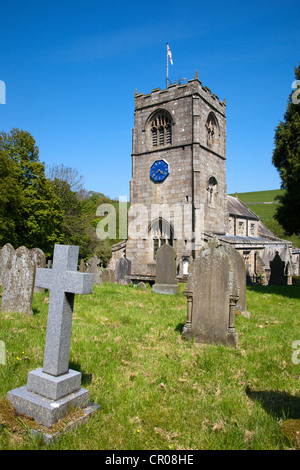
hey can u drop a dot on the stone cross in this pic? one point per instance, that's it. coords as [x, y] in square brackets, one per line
[51, 390]
[64, 282]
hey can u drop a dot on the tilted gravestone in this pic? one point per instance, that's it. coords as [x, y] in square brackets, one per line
[165, 280]
[94, 268]
[18, 282]
[212, 294]
[51, 390]
[122, 271]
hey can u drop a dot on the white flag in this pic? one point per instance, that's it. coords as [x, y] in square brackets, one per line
[169, 54]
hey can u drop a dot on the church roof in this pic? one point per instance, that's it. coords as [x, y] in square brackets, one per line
[236, 208]
[265, 232]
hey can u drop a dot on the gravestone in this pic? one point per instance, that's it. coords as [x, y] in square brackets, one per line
[123, 271]
[82, 267]
[212, 294]
[49, 263]
[240, 271]
[277, 274]
[52, 389]
[108, 275]
[40, 262]
[94, 268]
[142, 285]
[18, 282]
[6, 253]
[165, 280]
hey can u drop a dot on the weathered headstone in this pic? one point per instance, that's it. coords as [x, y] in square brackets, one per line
[94, 268]
[141, 285]
[122, 272]
[40, 262]
[82, 267]
[165, 280]
[108, 275]
[6, 253]
[212, 294]
[51, 390]
[18, 282]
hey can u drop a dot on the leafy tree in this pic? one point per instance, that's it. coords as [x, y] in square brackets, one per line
[286, 158]
[35, 216]
[10, 199]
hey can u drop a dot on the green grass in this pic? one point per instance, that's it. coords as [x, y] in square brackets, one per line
[260, 196]
[265, 212]
[156, 390]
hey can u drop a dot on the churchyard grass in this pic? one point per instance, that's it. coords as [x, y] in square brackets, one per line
[157, 390]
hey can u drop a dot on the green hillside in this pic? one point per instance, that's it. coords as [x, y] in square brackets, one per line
[264, 204]
[259, 196]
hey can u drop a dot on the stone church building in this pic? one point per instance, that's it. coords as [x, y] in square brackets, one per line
[178, 192]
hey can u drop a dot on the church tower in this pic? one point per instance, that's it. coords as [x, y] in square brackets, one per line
[178, 187]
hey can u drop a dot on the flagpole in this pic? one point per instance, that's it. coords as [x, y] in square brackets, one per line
[167, 67]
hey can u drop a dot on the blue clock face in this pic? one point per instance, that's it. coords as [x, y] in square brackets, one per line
[159, 171]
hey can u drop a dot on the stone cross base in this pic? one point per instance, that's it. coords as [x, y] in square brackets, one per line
[47, 398]
[170, 289]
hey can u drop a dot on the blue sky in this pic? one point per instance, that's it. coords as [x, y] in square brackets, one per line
[71, 69]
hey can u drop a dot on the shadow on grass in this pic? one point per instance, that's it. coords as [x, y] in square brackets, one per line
[293, 292]
[279, 404]
[179, 327]
[86, 378]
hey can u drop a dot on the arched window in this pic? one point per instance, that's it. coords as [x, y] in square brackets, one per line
[161, 129]
[162, 233]
[212, 131]
[212, 190]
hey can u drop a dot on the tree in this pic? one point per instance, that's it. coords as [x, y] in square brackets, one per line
[10, 199]
[286, 158]
[34, 216]
[65, 174]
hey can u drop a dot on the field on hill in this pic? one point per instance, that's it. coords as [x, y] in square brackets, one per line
[263, 204]
[260, 196]
[156, 390]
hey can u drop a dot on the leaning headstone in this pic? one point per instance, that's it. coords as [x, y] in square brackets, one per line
[123, 271]
[40, 262]
[212, 294]
[6, 253]
[18, 282]
[51, 390]
[165, 280]
[94, 268]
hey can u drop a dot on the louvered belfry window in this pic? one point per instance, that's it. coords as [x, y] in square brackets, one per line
[161, 130]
